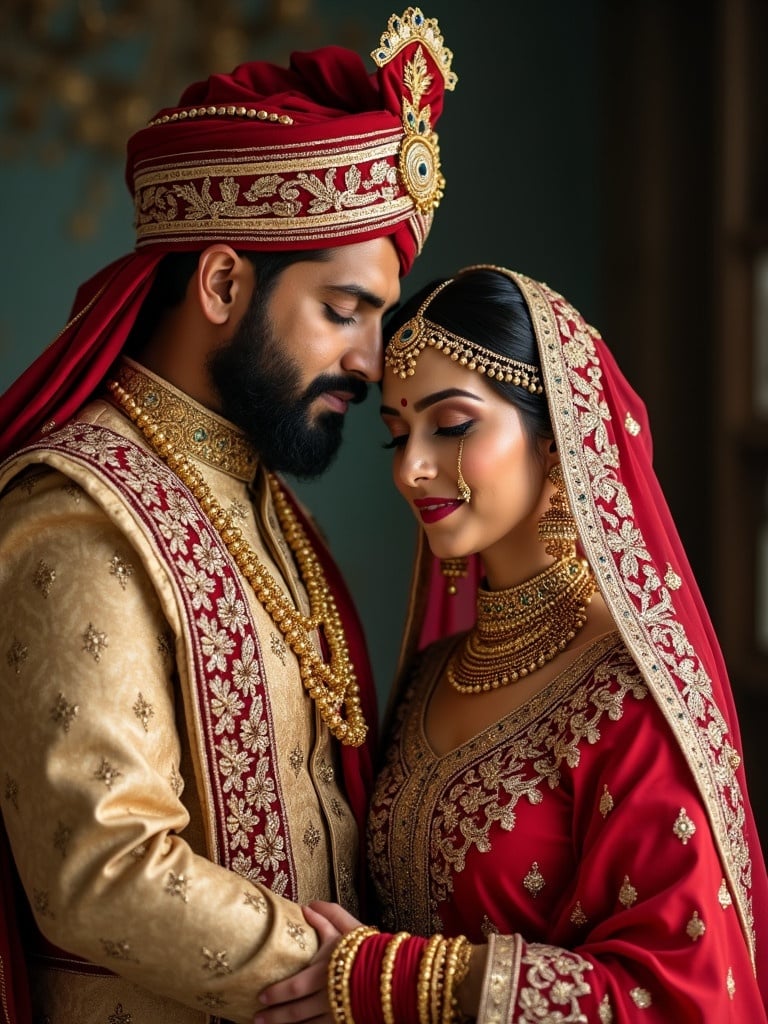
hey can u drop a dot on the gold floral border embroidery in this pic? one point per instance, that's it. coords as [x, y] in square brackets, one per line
[625, 569]
[555, 977]
[308, 192]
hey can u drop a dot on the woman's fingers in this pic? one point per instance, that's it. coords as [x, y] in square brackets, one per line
[307, 984]
[337, 915]
[303, 998]
[300, 1011]
[326, 930]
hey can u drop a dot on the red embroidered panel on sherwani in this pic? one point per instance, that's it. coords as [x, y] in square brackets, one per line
[231, 710]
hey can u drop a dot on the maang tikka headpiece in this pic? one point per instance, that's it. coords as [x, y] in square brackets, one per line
[418, 333]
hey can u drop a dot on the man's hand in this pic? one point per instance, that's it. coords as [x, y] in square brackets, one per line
[304, 997]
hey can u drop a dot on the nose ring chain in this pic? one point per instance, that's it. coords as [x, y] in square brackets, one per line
[465, 491]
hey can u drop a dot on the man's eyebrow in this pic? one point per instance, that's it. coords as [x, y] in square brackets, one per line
[433, 399]
[359, 292]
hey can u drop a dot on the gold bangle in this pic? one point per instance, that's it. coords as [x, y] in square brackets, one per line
[387, 973]
[456, 968]
[423, 984]
[436, 982]
[340, 970]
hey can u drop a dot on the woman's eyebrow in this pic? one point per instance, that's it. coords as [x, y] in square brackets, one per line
[433, 399]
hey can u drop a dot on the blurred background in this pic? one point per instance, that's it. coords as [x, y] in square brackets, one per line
[616, 150]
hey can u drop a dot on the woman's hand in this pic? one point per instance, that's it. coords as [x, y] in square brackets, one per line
[468, 991]
[304, 996]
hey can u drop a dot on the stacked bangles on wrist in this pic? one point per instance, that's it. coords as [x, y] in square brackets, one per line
[416, 979]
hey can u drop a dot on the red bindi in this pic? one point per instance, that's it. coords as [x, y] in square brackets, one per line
[403, 402]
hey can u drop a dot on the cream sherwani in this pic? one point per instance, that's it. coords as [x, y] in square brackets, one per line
[107, 794]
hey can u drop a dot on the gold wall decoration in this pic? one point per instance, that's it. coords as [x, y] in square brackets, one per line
[80, 76]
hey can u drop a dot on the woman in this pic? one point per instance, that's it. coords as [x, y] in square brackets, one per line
[563, 785]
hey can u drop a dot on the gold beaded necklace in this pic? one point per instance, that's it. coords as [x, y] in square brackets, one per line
[333, 686]
[520, 629]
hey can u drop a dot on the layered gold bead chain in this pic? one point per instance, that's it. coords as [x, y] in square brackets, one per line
[333, 686]
[520, 629]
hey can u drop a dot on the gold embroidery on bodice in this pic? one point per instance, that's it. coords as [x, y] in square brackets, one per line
[429, 813]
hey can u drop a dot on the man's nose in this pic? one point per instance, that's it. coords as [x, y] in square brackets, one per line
[365, 358]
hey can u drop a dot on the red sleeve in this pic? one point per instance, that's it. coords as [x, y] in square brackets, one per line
[647, 930]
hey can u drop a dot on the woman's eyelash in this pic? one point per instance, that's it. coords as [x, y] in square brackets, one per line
[455, 431]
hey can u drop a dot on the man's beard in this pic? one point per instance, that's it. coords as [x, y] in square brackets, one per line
[259, 388]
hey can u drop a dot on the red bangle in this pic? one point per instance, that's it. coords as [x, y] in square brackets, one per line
[405, 1007]
[364, 980]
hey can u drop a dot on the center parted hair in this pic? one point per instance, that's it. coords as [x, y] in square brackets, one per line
[482, 312]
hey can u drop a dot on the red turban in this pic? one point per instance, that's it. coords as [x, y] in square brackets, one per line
[319, 154]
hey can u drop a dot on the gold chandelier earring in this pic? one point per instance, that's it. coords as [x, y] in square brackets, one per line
[465, 491]
[557, 527]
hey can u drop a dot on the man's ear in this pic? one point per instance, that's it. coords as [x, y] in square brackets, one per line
[224, 282]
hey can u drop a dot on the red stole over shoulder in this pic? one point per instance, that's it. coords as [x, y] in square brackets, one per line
[221, 641]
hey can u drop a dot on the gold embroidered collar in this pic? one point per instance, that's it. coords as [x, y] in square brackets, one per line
[189, 426]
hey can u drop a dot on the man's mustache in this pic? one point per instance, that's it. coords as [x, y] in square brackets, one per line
[357, 388]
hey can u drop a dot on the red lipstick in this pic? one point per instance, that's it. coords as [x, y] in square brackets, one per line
[432, 510]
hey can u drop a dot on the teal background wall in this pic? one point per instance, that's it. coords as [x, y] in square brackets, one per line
[520, 153]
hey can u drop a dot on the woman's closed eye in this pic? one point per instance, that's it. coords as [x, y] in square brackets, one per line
[455, 430]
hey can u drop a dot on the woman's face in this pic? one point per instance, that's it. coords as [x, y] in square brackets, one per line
[427, 415]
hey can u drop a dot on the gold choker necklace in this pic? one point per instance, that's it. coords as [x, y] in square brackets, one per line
[519, 630]
[332, 686]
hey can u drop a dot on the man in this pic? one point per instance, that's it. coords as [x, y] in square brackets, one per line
[185, 710]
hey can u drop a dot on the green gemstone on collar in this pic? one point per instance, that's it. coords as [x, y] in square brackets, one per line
[200, 434]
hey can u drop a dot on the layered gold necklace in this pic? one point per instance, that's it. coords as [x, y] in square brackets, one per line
[333, 686]
[520, 629]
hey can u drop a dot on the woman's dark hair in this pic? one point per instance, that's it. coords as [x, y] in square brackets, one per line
[487, 307]
[173, 276]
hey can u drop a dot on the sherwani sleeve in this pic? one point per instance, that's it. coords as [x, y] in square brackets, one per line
[93, 772]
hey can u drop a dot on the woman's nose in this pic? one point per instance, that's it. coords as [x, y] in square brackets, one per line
[416, 465]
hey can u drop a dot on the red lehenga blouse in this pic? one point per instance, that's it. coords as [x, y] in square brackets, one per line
[603, 828]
